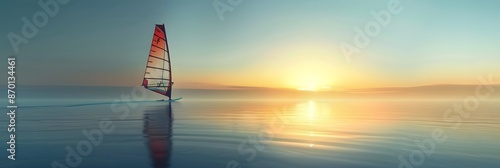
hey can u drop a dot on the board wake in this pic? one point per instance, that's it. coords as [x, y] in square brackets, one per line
[93, 104]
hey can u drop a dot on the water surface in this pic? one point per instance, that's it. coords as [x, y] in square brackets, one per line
[202, 132]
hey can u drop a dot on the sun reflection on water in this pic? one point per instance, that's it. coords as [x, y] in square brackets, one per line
[308, 121]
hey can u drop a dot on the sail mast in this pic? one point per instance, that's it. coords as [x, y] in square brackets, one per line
[170, 83]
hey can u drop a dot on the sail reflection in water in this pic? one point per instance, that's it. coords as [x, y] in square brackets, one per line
[158, 133]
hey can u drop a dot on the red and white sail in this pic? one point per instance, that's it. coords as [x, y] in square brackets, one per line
[158, 74]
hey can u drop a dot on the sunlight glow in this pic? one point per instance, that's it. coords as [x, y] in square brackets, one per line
[312, 110]
[308, 65]
[312, 83]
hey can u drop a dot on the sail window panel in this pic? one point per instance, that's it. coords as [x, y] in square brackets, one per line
[157, 83]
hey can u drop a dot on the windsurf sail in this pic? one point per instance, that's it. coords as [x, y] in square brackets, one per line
[158, 73]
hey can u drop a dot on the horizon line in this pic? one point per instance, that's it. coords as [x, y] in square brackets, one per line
[233, 87]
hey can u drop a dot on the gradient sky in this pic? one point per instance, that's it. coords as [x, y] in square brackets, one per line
[264, 43]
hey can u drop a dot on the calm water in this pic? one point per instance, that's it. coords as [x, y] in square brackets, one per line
[202, 132]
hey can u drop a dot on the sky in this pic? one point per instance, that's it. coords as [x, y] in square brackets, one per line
[259, 43]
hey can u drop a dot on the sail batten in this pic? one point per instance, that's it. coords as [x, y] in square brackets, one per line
[159, 47]
[158, 74]
[158, 68]
[152, 56]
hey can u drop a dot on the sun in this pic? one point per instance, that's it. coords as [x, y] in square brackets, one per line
[314, 87]
[308, 75]
[310, 86]
[304, 65]
[316, 81]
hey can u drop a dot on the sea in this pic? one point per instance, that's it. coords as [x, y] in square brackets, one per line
[130, 127]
